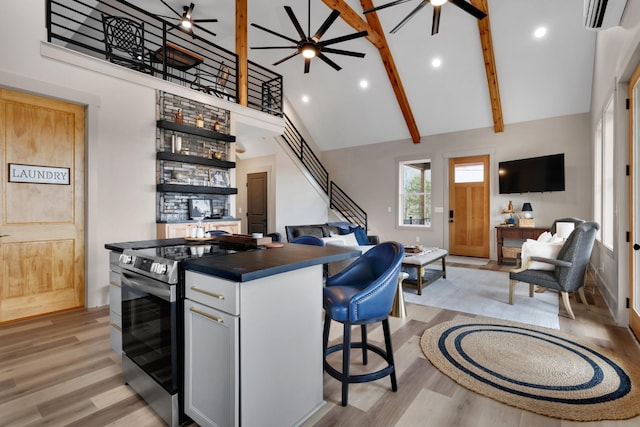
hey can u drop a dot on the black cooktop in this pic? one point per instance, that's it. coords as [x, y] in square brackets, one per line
[193, 251]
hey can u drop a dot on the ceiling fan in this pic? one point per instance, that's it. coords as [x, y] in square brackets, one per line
[186, 21]
[437, 4]
[311, 46]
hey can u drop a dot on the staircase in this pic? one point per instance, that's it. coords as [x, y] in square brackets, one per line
[339, 201]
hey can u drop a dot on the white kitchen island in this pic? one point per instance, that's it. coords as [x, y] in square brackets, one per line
[253, 339]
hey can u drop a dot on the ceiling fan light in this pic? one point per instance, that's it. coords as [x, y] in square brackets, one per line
[438, 2]
[185, 23]
[309, 52]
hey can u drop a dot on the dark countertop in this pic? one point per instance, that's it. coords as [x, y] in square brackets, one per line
[144, 244]
[246, 266]
[222, 219]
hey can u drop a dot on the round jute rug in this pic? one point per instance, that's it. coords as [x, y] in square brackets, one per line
[535, 369]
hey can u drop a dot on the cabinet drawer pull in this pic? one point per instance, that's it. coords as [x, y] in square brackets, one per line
[218, 296]
[116, 327]
[208, 316]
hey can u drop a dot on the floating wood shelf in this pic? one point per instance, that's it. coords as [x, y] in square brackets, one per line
[182, 158]
[206, 133]
[180, 188]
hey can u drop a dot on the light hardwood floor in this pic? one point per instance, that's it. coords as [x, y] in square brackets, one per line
[58, 370]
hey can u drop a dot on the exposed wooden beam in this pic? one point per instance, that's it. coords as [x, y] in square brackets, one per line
[484, 26]
[242, 52]
[377, 38]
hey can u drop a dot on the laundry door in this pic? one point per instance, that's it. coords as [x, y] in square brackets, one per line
[41, 205]
[469, 206]
[634, 202]
[257, 202]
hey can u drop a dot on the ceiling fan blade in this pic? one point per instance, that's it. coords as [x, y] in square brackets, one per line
[205, 20]
[325, 25]
[188, 11]
[274, 47]
[274, 33]
[170, 8]
[343, 52]
[295, 22]
[408, 17]
[307, 65]
[384, 6]
[469, 8]
[343, 38]
[286, 58]
[435, 23]
[330, 62]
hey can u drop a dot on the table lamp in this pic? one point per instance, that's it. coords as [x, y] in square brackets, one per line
[527, 209]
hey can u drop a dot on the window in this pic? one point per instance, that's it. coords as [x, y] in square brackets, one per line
[415, 193]
[603, 177]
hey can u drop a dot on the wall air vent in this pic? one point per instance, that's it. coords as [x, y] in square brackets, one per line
[602, 14]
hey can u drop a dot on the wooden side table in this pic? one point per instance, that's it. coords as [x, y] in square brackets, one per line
[517, 233]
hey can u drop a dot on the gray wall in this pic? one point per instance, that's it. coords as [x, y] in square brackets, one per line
[368, 174]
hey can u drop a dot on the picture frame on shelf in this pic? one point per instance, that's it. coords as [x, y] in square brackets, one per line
[220, 178]
[199, 208]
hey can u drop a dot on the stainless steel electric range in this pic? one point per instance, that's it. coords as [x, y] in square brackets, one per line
[152, 323]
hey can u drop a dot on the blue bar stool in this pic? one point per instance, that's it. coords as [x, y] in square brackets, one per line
[362, 294]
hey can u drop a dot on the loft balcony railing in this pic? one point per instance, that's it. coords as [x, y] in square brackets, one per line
[165, 51]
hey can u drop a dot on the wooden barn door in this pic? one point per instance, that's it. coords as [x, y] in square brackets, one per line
[41, 205]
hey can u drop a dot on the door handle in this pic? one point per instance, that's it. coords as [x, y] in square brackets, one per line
[636, 246]
[5, 235]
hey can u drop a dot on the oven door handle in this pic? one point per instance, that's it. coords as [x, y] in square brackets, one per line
[140, 283]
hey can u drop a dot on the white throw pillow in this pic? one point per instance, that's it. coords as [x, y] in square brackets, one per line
[335, 240]
[349, 239]
[532, 248]
[544, 237]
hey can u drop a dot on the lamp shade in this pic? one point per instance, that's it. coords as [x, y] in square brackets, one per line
[526, 207]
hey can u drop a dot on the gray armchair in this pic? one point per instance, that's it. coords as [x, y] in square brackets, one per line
[570, 267]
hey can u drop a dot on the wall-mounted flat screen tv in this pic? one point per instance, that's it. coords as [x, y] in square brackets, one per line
[532, 175]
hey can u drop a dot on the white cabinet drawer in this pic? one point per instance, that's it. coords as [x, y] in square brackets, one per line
[213, 292]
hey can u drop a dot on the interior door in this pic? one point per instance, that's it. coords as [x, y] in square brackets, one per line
[634, 205]
[41, 205]
[469, 206]
[257, 202]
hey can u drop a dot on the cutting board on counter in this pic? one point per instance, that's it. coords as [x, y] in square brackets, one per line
[243, 239]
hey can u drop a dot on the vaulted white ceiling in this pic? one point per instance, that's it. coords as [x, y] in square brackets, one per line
[538, 78]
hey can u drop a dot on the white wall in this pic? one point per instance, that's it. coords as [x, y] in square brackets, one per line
[121, 116]
[368, 174]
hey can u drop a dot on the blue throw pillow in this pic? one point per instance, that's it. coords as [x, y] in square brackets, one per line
[361, 235]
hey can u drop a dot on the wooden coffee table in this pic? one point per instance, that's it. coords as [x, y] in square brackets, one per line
[419, 260]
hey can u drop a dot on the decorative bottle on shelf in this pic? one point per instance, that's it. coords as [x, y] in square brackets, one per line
[177, 117]
[216, 126]
[199, 121]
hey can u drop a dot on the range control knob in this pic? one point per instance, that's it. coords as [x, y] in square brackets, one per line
[158, 268]
[126, 259]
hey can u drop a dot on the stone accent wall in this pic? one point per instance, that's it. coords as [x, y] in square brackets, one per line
[174, 207]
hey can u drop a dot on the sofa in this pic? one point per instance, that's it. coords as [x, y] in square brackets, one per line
[328, 230]
[339, 234]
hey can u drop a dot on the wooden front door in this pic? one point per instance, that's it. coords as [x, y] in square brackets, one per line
[469, 206]
[42, 221]
[257, 202]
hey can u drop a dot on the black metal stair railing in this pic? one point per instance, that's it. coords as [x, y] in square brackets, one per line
[303, 152]
[338, 199]
[349, 209]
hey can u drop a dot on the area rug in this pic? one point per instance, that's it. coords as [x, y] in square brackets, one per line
[535, 369]
[486, 293]
[467, 260]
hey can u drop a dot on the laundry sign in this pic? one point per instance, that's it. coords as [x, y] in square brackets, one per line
[39, 174]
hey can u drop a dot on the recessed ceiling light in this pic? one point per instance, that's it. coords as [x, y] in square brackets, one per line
[364, 84]
[540, 32]
[436, 63]
[305, 98]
